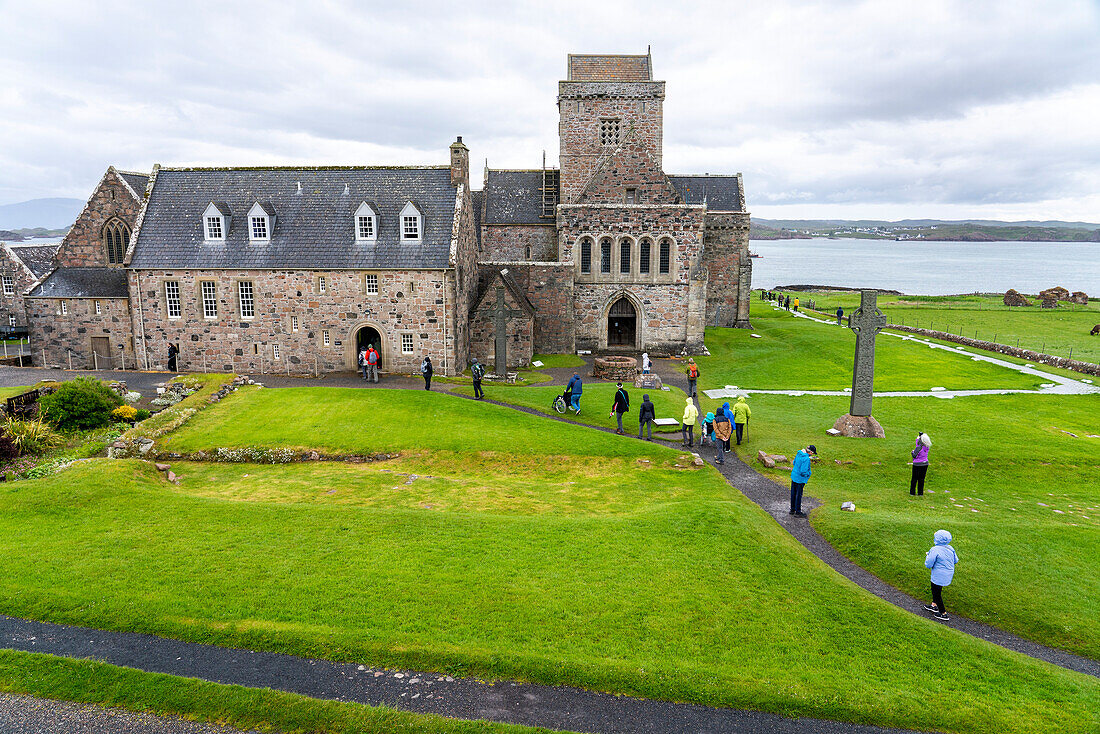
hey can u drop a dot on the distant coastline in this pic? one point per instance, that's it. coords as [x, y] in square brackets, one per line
[926, 231]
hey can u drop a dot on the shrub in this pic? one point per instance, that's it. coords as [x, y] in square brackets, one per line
[124, 413]
[31, 436]
[141, 415]
[132, 397]
[80, 404]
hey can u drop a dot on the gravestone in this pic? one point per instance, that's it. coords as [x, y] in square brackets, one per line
[867, 321]
[501, 313]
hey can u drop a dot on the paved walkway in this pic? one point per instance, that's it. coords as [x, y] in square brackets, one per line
[30, 715]
[143, 382]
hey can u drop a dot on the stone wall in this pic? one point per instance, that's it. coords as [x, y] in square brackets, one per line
[669, 319]
[726, 257]
[59, 337]
[462, 282]
[408, 302]
[1050, 360]
[520, 332]
[549, 288]
[633, 167]
[83, 246]
[23, 279]
[510, 242]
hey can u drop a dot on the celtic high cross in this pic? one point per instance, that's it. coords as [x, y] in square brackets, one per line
[866, 322]
[501, 313]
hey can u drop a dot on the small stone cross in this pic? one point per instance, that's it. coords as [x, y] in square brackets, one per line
[866, 322]
[501, 313]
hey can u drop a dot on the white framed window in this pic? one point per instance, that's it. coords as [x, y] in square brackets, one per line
[209, 291]
[64, 307]
[246, 299]
[214, 228]
[11, 321]
[324, 337]
[261, 220]
[366, 223]
[370, 283]
[9, 285]
[172, 299]
[406, 343]
[294, 324]
[322, 284]
[215, 221]
[411, 222]
[275, 351]
[259, 228]
[98, 309]
[610, 128]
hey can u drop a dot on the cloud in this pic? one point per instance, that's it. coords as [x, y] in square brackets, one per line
[981, 106]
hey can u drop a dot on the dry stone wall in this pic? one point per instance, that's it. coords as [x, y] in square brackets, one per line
[1048, 359]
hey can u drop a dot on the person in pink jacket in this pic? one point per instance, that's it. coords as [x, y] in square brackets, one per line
[920, 463]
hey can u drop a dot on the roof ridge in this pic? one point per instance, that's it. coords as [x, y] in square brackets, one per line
[133, 173]
[304, 168]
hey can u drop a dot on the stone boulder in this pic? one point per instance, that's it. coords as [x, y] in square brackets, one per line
[766, 460]
[1014, 298]
[859, 426]
[1080, 298]
[1057, 293]
[647, 382]
[1050, 303]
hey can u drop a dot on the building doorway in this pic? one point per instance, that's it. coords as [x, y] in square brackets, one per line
[101, 354]
[622, 324]
[368, 336]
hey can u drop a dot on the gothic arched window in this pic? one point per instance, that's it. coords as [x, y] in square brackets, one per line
[116, 237]
[586, 255]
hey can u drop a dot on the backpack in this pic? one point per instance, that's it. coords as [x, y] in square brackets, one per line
[478, 371]
[372, 357]
[693, 371]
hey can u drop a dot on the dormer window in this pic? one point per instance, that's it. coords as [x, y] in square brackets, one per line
[412, 223]
[261, 220]
[366, 223]
[215, 221]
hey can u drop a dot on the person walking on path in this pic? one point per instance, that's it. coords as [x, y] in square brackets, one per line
[647, 365]
[646, 415]
[693, 377]
[741, 415]
[426, 370]
[173, 352]
[620, 406]
[728, 413]
[941, 559]
[477, 370]
[575, 392]
[722, 432]
[920, 463]
[839, 314]
[787, 303]
[706, 430]
[796, 304]
[373, 358]
[687, 428]
[363, 362]
[800, 474]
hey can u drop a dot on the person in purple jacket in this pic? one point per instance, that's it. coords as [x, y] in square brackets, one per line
[920, 463]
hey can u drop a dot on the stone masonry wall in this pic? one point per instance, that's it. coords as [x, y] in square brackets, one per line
[13, 305]
[549, 288]
[407, 302]
[1050, 360]
[631, 166]
[462, 281]
[726, 254]
[520, 332]
[83, 246]
[509, 242]
[70, 334]
[664, 312]
[581, 106]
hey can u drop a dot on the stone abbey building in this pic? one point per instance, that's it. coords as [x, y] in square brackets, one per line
[293, 269]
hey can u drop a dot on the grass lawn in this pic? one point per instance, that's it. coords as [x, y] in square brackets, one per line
[794, 353]
[550, 361]
[1053, 331]
[88, 681]
[595, 403]
[646, 577]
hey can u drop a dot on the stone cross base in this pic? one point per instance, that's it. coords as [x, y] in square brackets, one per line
[648, 382]
[858, 426]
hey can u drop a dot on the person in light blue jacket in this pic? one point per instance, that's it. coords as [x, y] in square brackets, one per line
[941, 559]
[800, 474]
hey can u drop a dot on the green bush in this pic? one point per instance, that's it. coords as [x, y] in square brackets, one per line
[80, 404]
[141, 415]
[31, 436]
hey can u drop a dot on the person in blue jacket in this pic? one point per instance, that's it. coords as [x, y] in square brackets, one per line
[800, 474]
[941, 559]
[728, 412]
[575, 392]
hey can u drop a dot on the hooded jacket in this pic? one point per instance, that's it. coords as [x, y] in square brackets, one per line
[723, 429]
[941, 559]
[647, 412]
[727, 412]
[575, 385]
[741, 412]
[708, 423]
[920, 453]
[690, 413]
[801, 471]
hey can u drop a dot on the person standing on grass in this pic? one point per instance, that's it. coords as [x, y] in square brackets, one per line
[800, 474]
[839, 314]
[477, 370]
[722, 432]
[363, 362]
[620, 406]
[427, 370]
[693, 376]
[706, 430]
[687, 428]
[372, 362]
[741, 415]
[646, 415]
[575, 389]
[920, 463]
[941, 559]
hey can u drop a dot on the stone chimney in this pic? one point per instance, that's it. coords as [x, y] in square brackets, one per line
[460, 163]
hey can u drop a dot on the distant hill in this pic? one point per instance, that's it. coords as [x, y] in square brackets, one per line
[47, 213]
[975, 230]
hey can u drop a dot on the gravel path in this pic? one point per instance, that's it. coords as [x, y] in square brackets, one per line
[30, 715]
[143, 382]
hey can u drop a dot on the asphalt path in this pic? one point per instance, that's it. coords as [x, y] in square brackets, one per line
[30, 715]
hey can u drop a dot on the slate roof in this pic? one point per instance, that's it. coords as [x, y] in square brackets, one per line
[514, 197]
[609, 67]
[137, 181]
[37, 258]
[314, 229]
[721, 193]
[487, 281]
[83, 283]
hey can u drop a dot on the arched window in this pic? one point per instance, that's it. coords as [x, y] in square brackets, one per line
[624, 257]
[527, 253]
[666, 257]
[605, 255]
[586, 255]
[644, 249]
[116, 237]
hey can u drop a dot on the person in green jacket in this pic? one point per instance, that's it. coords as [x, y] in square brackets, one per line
[741, 415]
[687, 428]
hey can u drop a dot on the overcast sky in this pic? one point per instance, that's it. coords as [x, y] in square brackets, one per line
[830, 109]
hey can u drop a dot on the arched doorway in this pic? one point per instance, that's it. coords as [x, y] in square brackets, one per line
[622, 324]
[366, 336]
